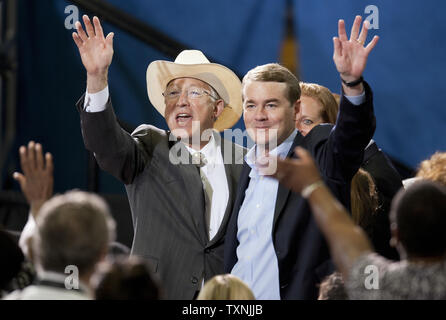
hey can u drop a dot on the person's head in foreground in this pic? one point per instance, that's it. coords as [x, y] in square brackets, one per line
[74, 229]
[418, 220]
[225, 287]
[126, 278]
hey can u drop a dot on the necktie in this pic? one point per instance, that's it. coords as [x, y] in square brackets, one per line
[199, 160]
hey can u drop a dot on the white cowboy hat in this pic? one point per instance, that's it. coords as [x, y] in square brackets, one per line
[194, 64]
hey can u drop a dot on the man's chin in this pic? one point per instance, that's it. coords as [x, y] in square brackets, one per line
[182, 133]
[262, 138]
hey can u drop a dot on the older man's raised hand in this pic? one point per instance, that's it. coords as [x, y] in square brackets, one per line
[96, 52]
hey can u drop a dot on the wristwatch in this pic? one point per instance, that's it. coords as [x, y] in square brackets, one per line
[353, 83]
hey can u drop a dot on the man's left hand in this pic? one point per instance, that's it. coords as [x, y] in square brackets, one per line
[350, 55]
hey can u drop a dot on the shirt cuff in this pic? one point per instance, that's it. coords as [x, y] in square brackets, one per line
[96, 102]
[356, 100]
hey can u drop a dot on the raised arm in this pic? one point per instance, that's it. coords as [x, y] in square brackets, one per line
[350, 55]
[36, 182]
[355, 124]
[115, 150]
[346, 240]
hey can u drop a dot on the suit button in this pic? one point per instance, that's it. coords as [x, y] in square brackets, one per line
[194, 280]
[207, 250]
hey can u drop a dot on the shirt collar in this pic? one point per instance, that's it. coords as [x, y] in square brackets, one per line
[281, 150]
[60, 278]
[209, 151]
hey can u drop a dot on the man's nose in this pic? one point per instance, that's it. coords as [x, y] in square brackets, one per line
[182, 99]
[261, 114]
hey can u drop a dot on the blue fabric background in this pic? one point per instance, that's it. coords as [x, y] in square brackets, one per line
[405, 69]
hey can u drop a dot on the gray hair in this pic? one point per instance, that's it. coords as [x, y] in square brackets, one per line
[74, 228]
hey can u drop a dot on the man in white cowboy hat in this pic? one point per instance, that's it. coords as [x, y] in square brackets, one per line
[179, 209]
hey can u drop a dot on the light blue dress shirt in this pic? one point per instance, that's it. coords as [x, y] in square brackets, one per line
[257, 262]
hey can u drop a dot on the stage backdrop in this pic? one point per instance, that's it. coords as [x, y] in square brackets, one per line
[405, 69]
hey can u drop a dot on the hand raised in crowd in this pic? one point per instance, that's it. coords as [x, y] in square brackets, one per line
[96, 52]
[350, 55]
[37, 179]
[296, 174]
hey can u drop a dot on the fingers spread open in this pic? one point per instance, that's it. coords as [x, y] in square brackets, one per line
[49, 163]
[341, 31]
[98, 27]
[31, 156]
[109, 39]
[337, 48]
[372, 44]
[80, 31]
[77, 40]
[39, 157]
[355, 28]
[88, 26]
[24, 160]
[363, 34]
[20, 178]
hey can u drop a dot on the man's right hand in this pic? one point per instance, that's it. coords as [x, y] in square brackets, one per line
[96, 52]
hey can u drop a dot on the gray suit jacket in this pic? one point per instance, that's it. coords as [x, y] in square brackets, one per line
[166, 199]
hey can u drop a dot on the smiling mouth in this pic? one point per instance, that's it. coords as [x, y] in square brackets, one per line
[183, 116]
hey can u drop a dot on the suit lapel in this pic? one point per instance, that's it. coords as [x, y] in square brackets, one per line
[282, 191]
[240, 192]
[192, 187]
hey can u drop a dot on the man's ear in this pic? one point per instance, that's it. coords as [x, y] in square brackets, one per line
[218, 108]
[296, 107]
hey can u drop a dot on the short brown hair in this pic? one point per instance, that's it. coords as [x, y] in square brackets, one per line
[126, 278]
[434, 169]
[74, 228]
[274, 72]
[325, 97]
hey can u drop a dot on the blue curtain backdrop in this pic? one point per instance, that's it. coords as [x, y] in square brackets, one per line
[404, 70]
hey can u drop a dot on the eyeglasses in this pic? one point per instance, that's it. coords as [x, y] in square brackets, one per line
[192, 93]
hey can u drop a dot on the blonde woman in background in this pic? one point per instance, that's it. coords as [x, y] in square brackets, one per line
[225, 287]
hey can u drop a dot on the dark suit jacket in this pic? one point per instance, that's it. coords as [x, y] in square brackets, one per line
[300, 248]
[388, 182]
[166, 199]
